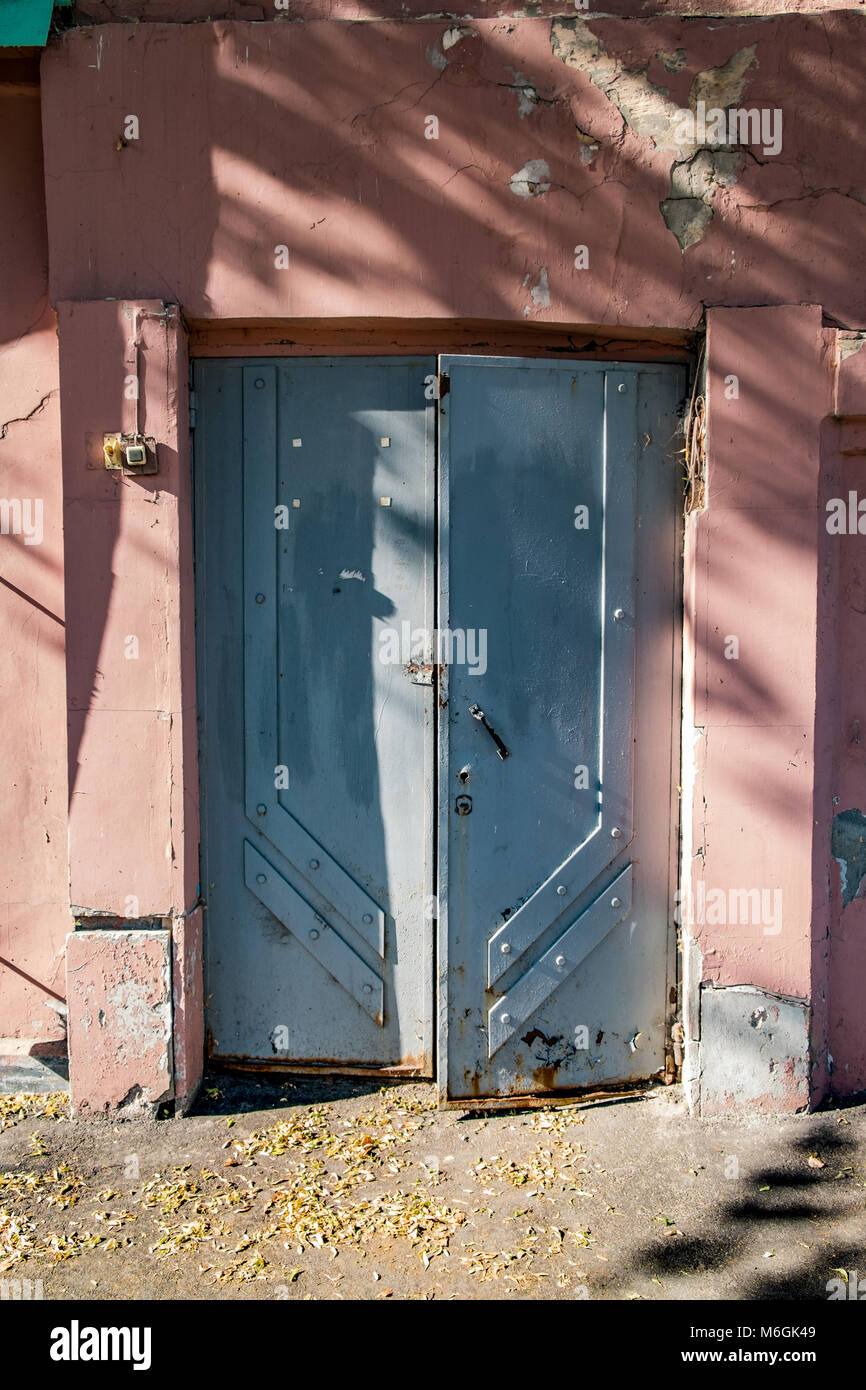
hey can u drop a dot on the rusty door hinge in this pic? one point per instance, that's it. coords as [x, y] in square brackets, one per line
[420, 672]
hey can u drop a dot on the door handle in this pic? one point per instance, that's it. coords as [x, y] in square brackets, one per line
[478, 713]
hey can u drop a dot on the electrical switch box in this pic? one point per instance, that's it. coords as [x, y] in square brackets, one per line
[130, 453]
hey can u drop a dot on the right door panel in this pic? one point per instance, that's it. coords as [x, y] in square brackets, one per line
[557, 491]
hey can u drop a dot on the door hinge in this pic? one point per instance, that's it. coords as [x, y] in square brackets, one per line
[420, 672]
[444, 384]
[193, 410]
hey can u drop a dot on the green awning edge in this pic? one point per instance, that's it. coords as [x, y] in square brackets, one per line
[25, 23]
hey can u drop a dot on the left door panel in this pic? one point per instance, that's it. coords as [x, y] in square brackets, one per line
[314, 565]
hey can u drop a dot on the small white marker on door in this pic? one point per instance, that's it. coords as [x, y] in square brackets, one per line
[385, 442]
[384, 501]
[296, 501]
[296, 443]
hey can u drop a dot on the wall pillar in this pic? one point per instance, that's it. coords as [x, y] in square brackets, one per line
[840, 802]
[749, 742]
[134, 959]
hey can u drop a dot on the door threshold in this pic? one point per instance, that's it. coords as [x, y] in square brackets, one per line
[263, 1066]
[556, 1099]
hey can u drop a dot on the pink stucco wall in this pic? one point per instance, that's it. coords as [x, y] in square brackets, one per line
[554, 131]
[752, 615]
[133, 806]
[756, 554]
[312, 136]
[128, 572]
[187, 11]
[34, 916]
[841, 764]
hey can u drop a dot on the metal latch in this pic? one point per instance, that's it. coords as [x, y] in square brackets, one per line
[478, 713]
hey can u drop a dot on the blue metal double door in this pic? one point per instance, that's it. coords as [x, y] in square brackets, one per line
[436, 664]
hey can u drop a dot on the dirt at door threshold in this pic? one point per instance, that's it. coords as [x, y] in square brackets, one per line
[311, 1189]
[514, 1104]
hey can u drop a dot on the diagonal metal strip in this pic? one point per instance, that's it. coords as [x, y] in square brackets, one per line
[328, 877]
[569, 951]
[614, 829]
[264, 810]
[524, 926]
[314, 933]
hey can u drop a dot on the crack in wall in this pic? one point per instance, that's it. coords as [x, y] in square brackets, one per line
[22, 419]
[647, 110]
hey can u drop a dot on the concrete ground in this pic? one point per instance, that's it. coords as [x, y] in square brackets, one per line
[306, 1189]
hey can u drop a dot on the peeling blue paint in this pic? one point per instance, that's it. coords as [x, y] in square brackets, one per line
[848, 846]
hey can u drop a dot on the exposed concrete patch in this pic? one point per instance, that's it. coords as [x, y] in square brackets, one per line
[435, 57]
[454, 35]
[648, 111]
[701, 175]
[540, 291]
[92, 919]
[688, 210]
[848, 847]
[589, 146]
[120, 1018]
[645, 108]
[723, 86]
[23, 1072]
[849, 343]
[850, 390]
[532, 180]
[673, 62]
[527, 94]
[754, 1050]
[692, 971]
[188, 1007]
[687, 218]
